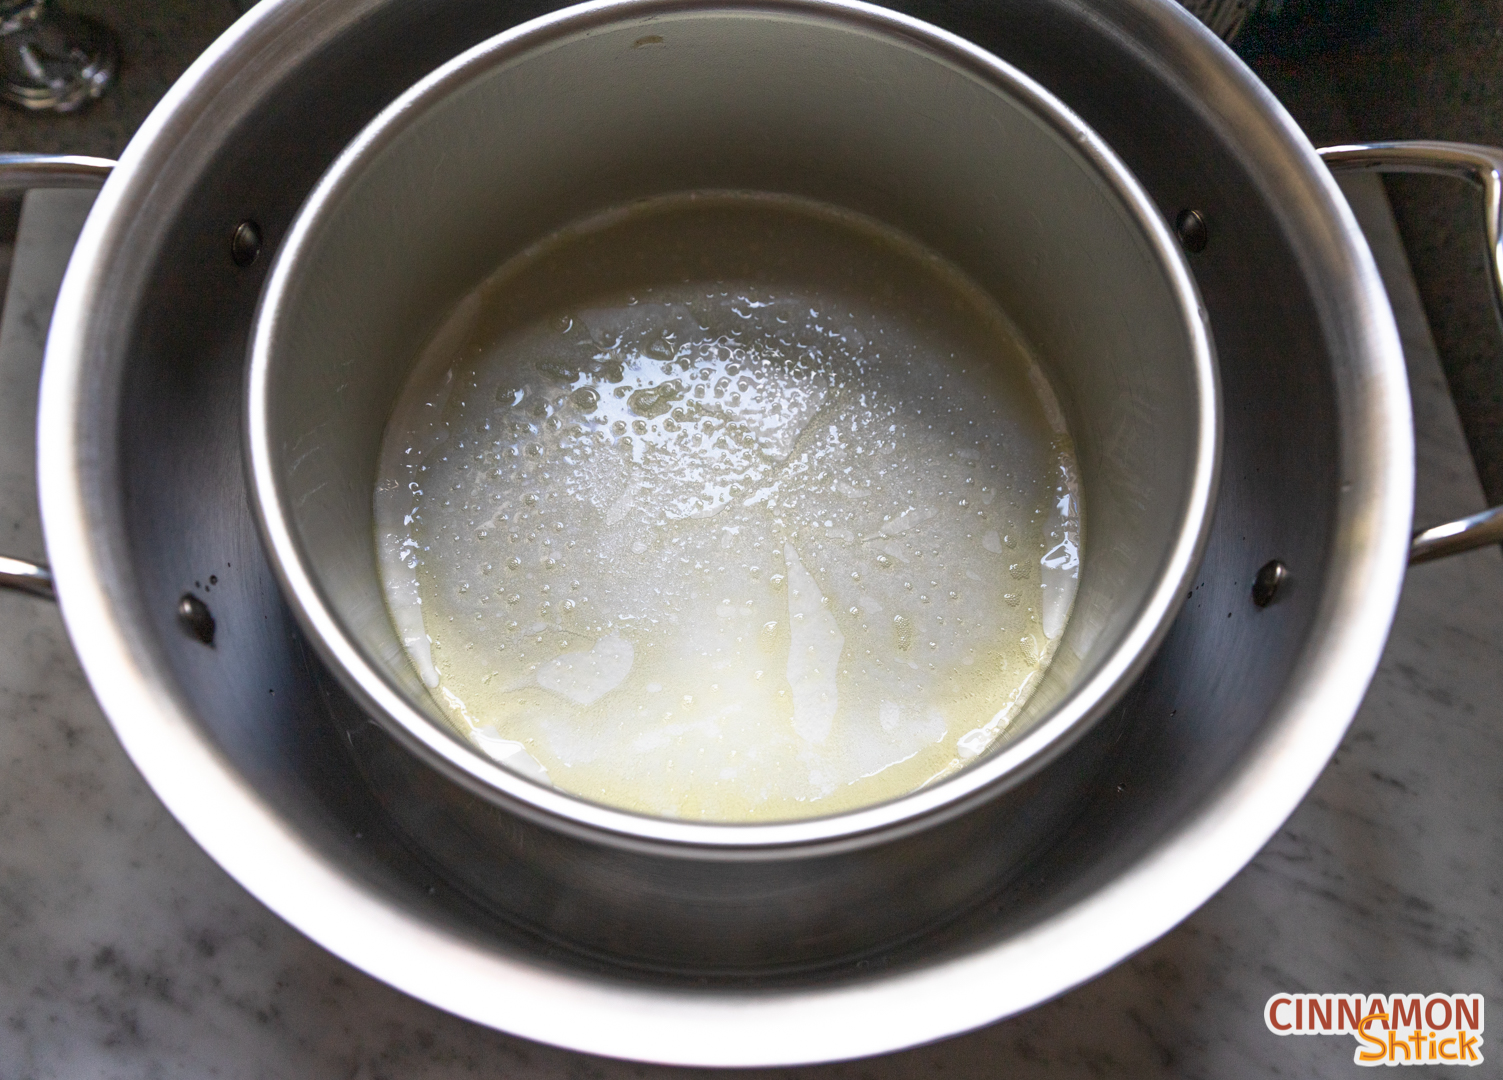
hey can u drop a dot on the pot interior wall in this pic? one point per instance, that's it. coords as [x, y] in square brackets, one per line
[736, 100]
[159, 424]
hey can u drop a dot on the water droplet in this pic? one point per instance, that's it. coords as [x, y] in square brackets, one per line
[651, 401]
[902, 632]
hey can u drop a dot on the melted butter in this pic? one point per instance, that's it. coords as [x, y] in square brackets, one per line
[728, 507]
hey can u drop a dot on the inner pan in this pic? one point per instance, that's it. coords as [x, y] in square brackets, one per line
[531, 132]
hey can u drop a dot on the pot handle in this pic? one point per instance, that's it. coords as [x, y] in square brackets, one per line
[44, 171]
[1483, 166]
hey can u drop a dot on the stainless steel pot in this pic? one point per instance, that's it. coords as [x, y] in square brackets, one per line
[848, 104]
[248, 739]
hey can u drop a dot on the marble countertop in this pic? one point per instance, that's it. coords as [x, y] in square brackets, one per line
[126, 952]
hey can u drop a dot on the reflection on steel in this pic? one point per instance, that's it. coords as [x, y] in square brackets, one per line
[245, 244]
[1193, 231]
[1454, 537]
[1266, 585]
[1235, 723]
[26, 577]
[53, 171]
[1224, 17]
[44, 171]
[1483, 166]
[194, 614]
[51, 60]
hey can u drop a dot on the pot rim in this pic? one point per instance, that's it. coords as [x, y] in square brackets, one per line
[260, 845]
[458, 760]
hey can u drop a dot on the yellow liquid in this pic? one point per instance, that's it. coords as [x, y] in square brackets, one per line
[728, 507]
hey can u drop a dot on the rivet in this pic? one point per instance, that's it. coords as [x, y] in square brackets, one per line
[193, 613]
[1266, 585]
[245, 244]
[1192, 229]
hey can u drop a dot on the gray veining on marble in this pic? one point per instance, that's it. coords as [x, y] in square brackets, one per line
[124, 952]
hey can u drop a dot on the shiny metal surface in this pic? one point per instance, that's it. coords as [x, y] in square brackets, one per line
[53, 170]
[245, 244]
[1454, 537]
[1269, 579]
[245, 742]
[29, 171]
[1483, 166]
[807, 97]
[26, 576]
[52, 60]
[1224, 18]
